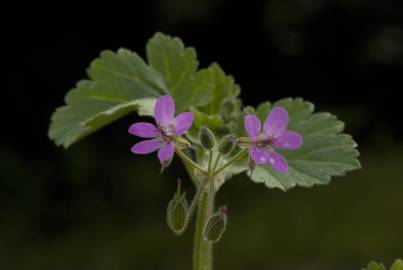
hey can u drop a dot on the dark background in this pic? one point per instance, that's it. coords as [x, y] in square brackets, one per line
[96, 206]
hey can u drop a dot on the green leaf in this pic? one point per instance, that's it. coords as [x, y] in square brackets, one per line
[179, 65]
[326, 152]
[397, 265]
[224, 89]
[224, 109]
[121, 83]
[202, 119]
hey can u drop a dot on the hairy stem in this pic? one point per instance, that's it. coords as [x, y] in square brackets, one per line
[210, 158]
[216, 161]
[203, 250]
[204, 201]
[196, 198]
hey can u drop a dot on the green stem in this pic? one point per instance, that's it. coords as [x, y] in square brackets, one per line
[216, 161]
[196, 199]
[210, 158]
[232, 160]
[203, 250]
[189, 160]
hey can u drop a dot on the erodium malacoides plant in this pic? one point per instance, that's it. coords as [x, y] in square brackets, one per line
[199, 117]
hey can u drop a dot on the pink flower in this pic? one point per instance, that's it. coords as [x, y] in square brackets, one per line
[163, 135]
[274, 135]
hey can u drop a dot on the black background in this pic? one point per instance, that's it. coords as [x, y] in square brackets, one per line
[328, 63]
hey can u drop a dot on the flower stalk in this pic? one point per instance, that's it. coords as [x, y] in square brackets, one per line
[190, 162]
[204, 200]
[202, 249]
[231, 161]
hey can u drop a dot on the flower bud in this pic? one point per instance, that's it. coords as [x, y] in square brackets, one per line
[216, 225]
[226, 144]
[177, 212]
[206, 138]
[249, 110]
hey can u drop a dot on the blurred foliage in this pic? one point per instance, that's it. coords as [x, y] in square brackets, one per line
[397, 265]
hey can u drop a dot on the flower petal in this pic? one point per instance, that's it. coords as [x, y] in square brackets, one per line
[164, 111]
[144, 130]
[259, 155]
[146, 147]
[278, 162]
[252, 126]
[276, 123]
[183, 122]
[166, 152]
[289, 140]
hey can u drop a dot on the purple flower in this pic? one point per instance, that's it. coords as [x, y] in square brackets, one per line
[163, 135]
[274, 135]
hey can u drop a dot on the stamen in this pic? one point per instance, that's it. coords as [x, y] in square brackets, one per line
[263, 142]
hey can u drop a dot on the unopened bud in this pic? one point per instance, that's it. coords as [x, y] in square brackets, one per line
[249, 110]
[216, 225]
[177, 212]
[206, 138]
[226, 144]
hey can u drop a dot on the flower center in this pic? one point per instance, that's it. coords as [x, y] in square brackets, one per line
[167, 133]
[262, 141]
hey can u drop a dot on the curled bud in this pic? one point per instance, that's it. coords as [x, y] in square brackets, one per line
[226, 144]
[206, 138]
[177, 212]
[216, 225]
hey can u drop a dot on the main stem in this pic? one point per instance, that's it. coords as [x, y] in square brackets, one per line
[203, 250]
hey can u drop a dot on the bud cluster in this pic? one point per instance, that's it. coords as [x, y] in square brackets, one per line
[179, 212]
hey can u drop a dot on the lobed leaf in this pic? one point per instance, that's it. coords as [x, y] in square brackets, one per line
[121, 82]
[179, 65]
[326, 152]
